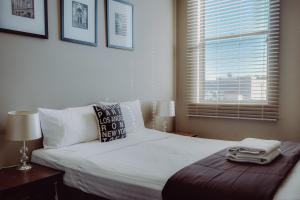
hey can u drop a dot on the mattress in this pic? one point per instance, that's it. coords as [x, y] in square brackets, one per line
[138, 166]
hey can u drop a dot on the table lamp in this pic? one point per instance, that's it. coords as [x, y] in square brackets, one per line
[23, 126]
[165, 109]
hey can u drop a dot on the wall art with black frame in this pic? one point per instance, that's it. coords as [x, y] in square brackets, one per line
[79, 21]
[24, 17]
[119, 22]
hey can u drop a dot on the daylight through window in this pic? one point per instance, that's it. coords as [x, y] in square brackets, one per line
[232, 58]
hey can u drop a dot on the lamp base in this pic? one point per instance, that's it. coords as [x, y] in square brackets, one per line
[165, 125]
[25, 167]
[24, 158]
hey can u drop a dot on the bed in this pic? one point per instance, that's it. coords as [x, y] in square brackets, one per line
[139, 166]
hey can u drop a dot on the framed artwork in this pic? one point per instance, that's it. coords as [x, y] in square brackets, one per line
[119, 22]
[24, 17]
[79, 21]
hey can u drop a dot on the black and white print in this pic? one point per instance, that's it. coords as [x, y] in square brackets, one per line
[23, 8]
[121, 24]
[79, 15]
[110, 122]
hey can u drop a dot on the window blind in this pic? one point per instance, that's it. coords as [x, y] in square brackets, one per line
[232, 58]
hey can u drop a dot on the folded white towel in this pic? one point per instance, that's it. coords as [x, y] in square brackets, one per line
[253, 146]
[265, 159]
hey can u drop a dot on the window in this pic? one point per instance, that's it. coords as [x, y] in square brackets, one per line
[232, 58]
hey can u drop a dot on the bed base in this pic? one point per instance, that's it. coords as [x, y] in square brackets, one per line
[70, 193]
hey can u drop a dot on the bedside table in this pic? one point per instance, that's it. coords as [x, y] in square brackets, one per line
[39, 183]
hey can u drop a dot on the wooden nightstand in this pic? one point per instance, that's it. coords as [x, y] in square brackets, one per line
[39, 183]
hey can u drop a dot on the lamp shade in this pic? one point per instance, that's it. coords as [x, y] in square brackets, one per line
[166, 108]
[23, 126]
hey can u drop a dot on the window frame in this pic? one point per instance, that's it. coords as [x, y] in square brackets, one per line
[195, 106]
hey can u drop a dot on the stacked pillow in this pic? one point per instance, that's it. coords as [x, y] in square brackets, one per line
[69, 126]
[132, 115]
[76, 125]
[111, 125]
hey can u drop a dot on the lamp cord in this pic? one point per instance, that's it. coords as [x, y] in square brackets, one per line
[6, 167]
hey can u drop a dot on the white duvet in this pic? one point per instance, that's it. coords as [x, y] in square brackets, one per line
[139, 166]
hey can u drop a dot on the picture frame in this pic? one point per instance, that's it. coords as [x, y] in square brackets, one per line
[79, 19]
[24, 17]
[119, 24]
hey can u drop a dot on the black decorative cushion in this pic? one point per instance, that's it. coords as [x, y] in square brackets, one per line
[110, 122]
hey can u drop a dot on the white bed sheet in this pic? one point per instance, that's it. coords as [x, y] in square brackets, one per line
[138, 166]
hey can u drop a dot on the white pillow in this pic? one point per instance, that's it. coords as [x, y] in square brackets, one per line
[132, 115]
[69, 126]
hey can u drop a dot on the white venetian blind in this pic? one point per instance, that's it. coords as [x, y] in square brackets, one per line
[232, 58]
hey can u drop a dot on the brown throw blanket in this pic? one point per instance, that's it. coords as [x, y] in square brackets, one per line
[215, 178]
